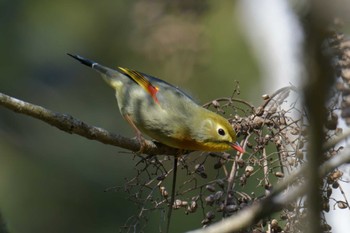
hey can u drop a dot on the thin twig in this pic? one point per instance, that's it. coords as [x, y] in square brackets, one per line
[275, 201]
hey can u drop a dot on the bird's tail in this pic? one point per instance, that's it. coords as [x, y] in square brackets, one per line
[110, 76]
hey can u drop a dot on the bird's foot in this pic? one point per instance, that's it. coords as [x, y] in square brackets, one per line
[142, 142]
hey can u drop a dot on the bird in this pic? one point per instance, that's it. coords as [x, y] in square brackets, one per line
[165, 113]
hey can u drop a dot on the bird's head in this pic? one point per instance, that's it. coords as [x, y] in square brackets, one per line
[215, 133]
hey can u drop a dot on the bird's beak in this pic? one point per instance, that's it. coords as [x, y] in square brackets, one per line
[236, 146]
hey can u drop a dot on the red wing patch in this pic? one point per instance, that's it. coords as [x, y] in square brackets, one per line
[142, 81]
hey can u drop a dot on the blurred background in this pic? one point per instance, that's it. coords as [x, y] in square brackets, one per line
[51, 181]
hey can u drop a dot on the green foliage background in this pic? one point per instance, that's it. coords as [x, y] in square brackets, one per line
[51, 181]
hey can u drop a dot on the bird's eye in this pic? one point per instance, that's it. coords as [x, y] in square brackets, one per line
[221, 132]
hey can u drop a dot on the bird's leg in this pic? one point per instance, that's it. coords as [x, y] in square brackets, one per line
[172, 198]
[139, 136]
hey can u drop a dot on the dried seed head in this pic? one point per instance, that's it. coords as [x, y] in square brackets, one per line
[161, 177]
[249, 145]
[279, 174]
[215, 103]
[240, 163]
[282, 121]
[329, 192]
[267, 137]
[295, 131]
[335, 185]
[284, 216]
[210, 215]
[342, 205]
[231, 208]
[265, 97]
[257, 122]
[338, 131]
[345, 73]
[274, 223]
[193, 205]
[242, 180]
[205, 221]
[326, 206]
[301, 144]
[336, 175]
[177, 204]
[248, 170]
[332, 122]
[210, 188]
[221, 183]
[184, 203]
[299, 154]
[218, 195]
[221, 207]
[326, 227]
[259, 111]
[199, 168]
[163, 192]
[209, 200]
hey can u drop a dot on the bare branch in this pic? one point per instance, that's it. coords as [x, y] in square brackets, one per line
[72, 125]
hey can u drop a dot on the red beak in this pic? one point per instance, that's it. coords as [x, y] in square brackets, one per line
[237, 147]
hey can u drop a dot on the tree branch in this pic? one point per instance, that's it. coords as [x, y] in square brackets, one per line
[72, 125]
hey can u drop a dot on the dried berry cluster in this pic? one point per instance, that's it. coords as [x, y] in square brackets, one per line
[275, 136]
[217, 185]
[341, 45]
